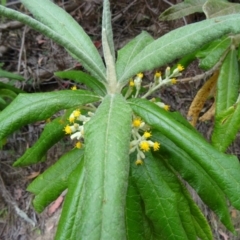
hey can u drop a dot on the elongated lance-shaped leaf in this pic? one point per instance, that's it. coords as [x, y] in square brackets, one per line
[82, 77]
[29, 108]
[180, 42]
[52, 133]
[216, 8]
[227, 93]
[130, 50]
[160, 200]
[6, 74]
[107, 25]
[49, 185]
[187, 209]
[71, 212]
[137, 224]
[95, 67]
[107, 137]
[196, 176]
[6, 93]
[10, 87]
[223, 168]
[182, 9]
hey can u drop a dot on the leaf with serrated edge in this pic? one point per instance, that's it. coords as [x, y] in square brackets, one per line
[182, 9]
[107, 137]
[223, 168]
[29, 108]
[71, 212]
[180, 42]
[52, 133]
[130, 50]
[80, 54]
[196, 176]
[49, 185]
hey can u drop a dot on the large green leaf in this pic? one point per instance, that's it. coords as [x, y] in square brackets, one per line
[216, 8]
[188, 211]
[180, 42]
[49, 185]
[62, 28]
[107, 137]
[82, 77]
[71, 212]
[28, 108]
[52, 133]
[227, 126]
[137, 226]
[161, 201]
[130, 50]
[223, 168]
[182, 9]
[196, 176]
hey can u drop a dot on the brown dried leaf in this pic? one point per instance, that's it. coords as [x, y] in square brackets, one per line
[33, 175]
[209, 114]
[53, 208]
[200, 99]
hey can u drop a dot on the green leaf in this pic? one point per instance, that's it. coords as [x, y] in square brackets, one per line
[71, 212]
[196, 176]
[179, 42]
[82, 77]
[226, 123]
[6, 93]
[216, 8]
[52, 133]
[188, 211]
[160, 200]
[182, 9]
[29, 108]
[60, 27]
[228, 83]
[136, 223]
[107, 25]
[213, 53]
[49, 185]
[223, 168]
[130, 50]
[6, 74]
[107, 138]
[8, 86]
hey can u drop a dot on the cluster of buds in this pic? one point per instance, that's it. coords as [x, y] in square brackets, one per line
[158, 81]
[141, 140]
[75, 128]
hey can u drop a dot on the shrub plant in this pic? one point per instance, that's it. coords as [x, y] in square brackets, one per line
[126, 174]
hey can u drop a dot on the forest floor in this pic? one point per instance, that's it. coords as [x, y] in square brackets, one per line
[36, 58]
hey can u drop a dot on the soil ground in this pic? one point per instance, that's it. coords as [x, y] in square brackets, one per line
[36, 58]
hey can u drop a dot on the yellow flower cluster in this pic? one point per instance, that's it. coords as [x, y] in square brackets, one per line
[141, 142]
[75, 128]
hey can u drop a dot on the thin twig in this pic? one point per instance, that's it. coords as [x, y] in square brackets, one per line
[21, 49]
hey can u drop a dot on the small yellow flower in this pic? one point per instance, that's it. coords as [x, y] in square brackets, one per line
[78, 145]
[157, 74]
[173, 81]
[76, 113]
[139, 162]
[67, 129]
[74, 87]
[48, 120]
[144, 145]
[147, 134]
[136, 122]
[140, 75]
[71, 119]
[180, 67]
[166, 107]
[131, 83]
[156, 146]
